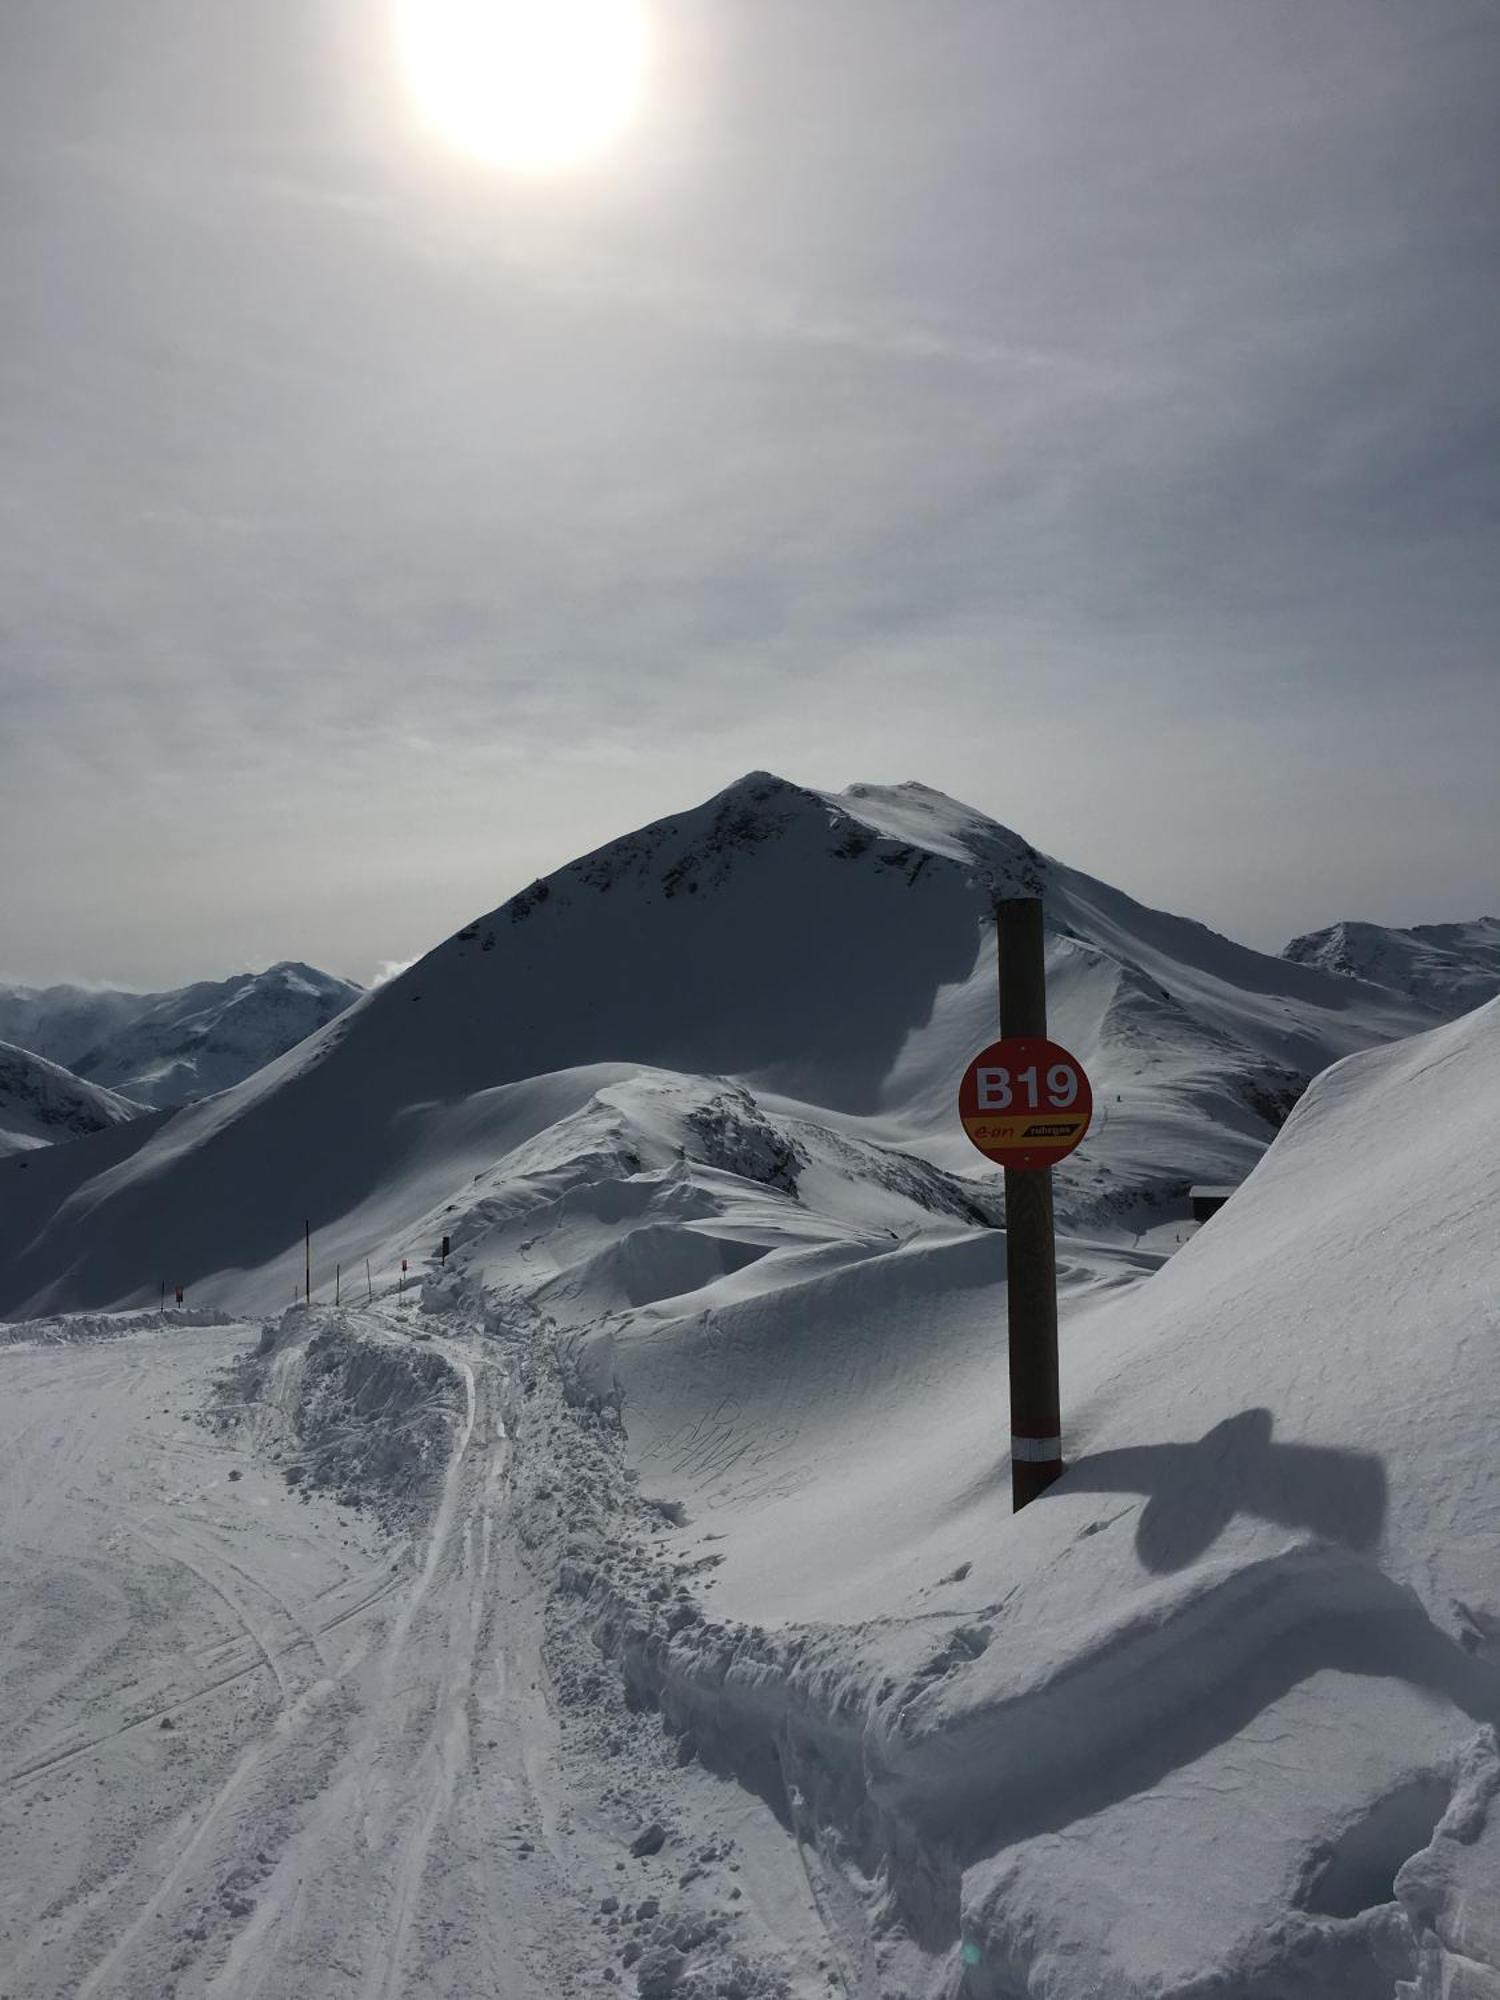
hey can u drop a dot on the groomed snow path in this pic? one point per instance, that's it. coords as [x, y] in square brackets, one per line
[253, 1743]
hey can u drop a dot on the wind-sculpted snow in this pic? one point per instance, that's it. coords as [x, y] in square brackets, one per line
[1182, 1726]
[1448, 1890]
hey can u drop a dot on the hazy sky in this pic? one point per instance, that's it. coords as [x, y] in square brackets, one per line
[1088, 407]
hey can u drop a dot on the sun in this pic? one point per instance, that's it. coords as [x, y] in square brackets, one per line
[534, 85]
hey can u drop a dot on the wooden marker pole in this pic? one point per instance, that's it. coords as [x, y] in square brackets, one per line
[1030, 1245]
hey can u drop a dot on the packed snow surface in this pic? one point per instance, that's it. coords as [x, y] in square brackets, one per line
[283, 1712]
[172, 1048]
[630, 1597]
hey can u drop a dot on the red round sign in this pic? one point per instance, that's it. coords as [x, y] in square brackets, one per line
[1025, 1102]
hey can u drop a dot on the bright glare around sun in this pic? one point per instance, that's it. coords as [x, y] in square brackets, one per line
[534, 85]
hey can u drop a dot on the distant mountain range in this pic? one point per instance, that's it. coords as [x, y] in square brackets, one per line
[1447, 968]
[811, 969]
[1156, 1000]
[163, 1049]
[42, 1104]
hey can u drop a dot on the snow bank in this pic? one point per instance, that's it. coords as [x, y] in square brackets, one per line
[1183, 1725]
[1450, 1892]
[66, 1329]
[354, 1407]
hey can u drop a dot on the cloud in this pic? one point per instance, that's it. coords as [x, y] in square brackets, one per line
[388, 969]
[1097, 424]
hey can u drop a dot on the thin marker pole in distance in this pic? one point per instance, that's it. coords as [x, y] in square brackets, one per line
[1036, 1458]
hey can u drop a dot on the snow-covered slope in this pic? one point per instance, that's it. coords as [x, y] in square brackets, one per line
[832, 953]
[1192, 1723]
[63, 1022]
[172, 1048]
[42, 1103]
[1447, 968]
[1216, 1717]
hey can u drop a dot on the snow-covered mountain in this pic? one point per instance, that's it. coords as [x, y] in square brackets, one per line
[63, 1022]
[831, 954]
[173, 1048]
[719, 1343]
[42, 1104]
[1447, 968]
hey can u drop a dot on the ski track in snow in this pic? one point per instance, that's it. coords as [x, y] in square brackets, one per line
[348, 1783]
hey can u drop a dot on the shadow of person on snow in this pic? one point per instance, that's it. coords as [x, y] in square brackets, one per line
[1195, 1490]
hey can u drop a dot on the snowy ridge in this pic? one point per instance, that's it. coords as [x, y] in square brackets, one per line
[166, 1049]
[1447, 968]
[42, 1103]
[830, 953]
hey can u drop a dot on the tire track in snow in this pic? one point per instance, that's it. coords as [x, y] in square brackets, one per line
[305, 1635]
[449, 1739]
[217, 1810]
[56, 1759]
[172, 1837]
[269, 1656]
[374, 1829]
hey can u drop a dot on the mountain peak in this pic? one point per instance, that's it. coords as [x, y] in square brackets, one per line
[172, 1047]
[918, 816]
[295, 971]
[1447, 968]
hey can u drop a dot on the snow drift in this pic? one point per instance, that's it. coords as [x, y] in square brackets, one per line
[1215, 1716]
